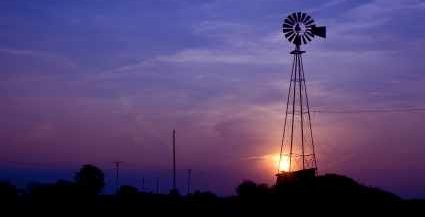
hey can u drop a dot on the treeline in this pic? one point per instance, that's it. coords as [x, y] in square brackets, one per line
[328, 194]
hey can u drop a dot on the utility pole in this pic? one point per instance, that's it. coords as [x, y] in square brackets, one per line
[189, 180]
[117, 173]
[157, 185]
[174, 160]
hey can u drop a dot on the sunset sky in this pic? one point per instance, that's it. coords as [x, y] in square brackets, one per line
[93, 81]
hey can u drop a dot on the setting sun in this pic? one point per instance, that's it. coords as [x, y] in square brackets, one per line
[282, 164]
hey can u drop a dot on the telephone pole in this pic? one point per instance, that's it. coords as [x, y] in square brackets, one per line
[157, 185]
[117, 173]
[174, 160]
[189, 180]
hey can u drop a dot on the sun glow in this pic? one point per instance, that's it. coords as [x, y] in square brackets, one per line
[282, 164]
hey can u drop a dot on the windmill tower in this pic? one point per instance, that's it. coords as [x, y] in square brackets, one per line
[297, 154]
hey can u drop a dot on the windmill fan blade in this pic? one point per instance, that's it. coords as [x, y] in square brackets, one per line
[309, 34]
[308, 38]
[284, 30]
[299, 16]
[287, 26]
[319, 31]
[288, 21]
[290, 18]
[294, 16]
[291, 37]
[308, 18]
[309, 22]
[303, 17]
[304, 41]
[287, 35]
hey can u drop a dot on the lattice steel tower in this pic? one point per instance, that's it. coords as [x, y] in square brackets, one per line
[297, 154]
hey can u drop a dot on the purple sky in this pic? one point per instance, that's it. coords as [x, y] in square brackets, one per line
[99, 81]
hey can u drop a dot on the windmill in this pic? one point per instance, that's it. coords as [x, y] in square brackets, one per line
[297, 154]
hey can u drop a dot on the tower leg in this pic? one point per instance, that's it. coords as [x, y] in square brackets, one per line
[296, 143]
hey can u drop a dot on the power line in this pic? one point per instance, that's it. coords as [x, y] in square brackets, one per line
[359, 111]
[57, 164]
[27, 164]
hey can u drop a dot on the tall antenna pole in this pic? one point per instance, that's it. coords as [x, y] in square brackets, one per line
[117, 175]
[189, 180]
[174, 160]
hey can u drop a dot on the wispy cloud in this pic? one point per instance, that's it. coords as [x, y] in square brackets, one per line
[17, 52]
[40, 55]
[260, 157]
[223, 56]
[326, 5]
[377, 9]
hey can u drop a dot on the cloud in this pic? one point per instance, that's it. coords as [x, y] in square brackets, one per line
[17, 52]
[381, 8]
[260, 157]
[216, 27]
[326, 5]
[240, 43]
[223, 56]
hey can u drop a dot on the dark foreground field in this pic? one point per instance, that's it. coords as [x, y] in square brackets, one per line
[327, 194]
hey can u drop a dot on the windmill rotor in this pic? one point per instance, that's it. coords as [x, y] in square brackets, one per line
[299, 28]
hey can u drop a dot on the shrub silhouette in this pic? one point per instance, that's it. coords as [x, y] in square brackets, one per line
[127, 190]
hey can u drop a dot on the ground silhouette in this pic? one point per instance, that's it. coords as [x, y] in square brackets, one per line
[327, 194]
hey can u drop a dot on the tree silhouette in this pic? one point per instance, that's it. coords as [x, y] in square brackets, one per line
[249, 189]
[246, 189]
[90, 180]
